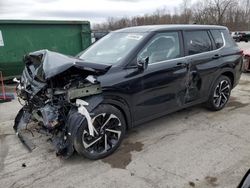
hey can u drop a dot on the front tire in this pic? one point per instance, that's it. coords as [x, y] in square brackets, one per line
[110, 127]
[220, 94]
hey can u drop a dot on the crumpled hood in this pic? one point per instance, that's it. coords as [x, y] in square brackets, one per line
[48, 64]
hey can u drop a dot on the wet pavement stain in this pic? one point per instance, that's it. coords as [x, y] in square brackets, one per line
[192, 184]
[122, 157]
[4, 149]
[246, 90]
[236, 104]
[211, 181]
[244, 82]
[232, 98]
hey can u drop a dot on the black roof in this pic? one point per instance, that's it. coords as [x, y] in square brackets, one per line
[150, 28]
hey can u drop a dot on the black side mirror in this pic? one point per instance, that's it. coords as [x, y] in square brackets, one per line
[142, 63]
[245, 182]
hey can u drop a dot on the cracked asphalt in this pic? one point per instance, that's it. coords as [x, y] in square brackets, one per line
[190, 148]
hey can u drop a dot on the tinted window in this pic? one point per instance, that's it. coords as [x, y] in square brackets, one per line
[198, 42]
[217, 35]
[163, 46]
[228, 39]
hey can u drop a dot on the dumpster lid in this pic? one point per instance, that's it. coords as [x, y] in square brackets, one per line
[44, 22]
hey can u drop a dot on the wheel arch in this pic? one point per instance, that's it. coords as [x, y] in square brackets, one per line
[121, 105]
[230, 75]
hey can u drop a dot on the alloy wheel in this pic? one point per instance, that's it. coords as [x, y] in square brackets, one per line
[107, 133]
[221, 93]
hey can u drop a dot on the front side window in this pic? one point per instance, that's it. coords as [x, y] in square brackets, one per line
[217, 35]
[163, 46]
[112, 48]
[198, 42]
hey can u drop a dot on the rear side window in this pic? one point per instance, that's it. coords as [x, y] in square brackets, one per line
[198, 42]
[229, 40]
[218, 39]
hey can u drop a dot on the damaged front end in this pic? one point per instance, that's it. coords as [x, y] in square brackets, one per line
[57, 90]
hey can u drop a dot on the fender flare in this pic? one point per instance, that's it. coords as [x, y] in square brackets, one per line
[122, 105]
[225, 70]
[73, 122]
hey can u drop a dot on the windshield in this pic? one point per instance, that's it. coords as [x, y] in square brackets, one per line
[112, 48]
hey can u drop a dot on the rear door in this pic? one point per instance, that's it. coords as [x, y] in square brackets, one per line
[202, 57]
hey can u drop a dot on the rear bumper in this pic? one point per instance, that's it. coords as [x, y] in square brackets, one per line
[246, 63]
[238, 69]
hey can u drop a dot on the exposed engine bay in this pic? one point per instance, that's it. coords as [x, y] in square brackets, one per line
[54, 88]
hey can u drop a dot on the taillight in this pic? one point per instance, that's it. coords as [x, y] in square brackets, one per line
[246, 63]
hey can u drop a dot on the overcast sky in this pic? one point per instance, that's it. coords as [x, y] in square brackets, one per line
[95, 11]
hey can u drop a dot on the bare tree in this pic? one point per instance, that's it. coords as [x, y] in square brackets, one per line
[220, 7]
[235, 15]
[186, 12]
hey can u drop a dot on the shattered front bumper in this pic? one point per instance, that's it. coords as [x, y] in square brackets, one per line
[63, 143]
[21, 121]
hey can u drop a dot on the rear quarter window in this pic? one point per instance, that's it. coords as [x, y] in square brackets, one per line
[228, 39]
[218, 38]
[197, 42]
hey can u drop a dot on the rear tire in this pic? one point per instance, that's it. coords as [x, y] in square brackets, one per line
[110, 127]
[219, 94]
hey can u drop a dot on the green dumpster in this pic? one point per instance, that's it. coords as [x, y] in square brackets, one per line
[19, 37]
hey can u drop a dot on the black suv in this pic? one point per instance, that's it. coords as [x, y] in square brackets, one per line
[128, 77]
[241, 36]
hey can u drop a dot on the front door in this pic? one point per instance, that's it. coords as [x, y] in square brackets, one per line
[161, 87]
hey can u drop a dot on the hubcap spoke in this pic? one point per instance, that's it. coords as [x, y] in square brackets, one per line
[216, 92]
[218, 102]
[220, 86]
[105, 143]
[216, 95]
[224, 96]
[90, 144]
[108, 120]
[226, 87]
[115, 131]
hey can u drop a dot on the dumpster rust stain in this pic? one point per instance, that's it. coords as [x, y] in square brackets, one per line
[122, 157]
